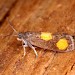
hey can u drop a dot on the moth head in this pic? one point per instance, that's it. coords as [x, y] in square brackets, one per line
[20, 36]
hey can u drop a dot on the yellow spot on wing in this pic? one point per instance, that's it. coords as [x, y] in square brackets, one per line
[46, 36]
[62, 44]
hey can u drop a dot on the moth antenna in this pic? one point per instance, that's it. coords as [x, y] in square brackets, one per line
[1, 35]
[12, 26]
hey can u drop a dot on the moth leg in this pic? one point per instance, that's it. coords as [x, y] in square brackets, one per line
[24, 46]
[32, 47]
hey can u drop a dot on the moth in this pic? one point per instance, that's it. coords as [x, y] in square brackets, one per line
[46, 40]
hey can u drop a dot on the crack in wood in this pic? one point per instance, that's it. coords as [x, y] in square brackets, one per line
[72, 66]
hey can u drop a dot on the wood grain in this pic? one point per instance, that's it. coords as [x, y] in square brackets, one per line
[36, 15]
[5, 6]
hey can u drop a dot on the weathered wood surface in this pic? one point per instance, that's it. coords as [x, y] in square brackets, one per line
[36, 15]
[5, 6]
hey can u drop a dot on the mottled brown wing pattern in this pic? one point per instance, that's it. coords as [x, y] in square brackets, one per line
[34, 39]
